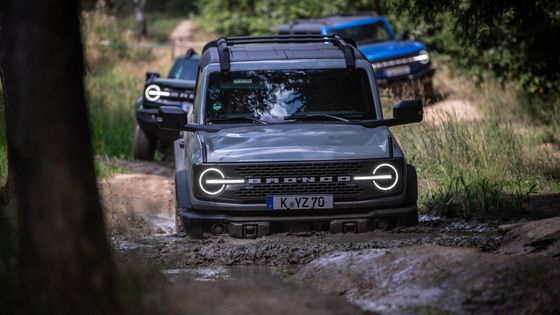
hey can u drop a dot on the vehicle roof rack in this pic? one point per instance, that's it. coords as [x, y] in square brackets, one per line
[223, 45]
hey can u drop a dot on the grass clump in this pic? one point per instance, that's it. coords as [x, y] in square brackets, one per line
[484, 167]
[476, 197]
[111, 96]
[105, 167]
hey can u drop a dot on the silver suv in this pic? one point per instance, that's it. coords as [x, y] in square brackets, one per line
[289, 129]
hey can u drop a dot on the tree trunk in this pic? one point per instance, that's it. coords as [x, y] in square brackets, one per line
[377, 7]
[66, 263]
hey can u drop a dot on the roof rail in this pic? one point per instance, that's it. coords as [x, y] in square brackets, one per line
[223, 44]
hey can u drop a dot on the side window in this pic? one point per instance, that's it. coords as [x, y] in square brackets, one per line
[197, 98]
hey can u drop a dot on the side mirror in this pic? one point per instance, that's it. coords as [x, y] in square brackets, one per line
[405, 35]
[172, 117]
[152, 75]
[408, 111]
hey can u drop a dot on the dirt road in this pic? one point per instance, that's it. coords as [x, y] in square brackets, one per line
[139, 206]
[440, 266]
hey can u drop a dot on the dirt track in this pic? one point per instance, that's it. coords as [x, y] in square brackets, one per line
[139, 206]
[139, 211]
[439, 266]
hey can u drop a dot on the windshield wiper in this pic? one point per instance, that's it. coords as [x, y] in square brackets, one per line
[236, 119]
[299, 116]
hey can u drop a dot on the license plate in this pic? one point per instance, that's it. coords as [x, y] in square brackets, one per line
[299, 202]
[393, 72]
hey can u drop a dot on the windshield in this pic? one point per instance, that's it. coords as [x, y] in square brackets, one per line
[184, 69]
[277, 95]
[365, 34]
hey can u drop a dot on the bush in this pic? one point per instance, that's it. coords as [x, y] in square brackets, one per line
[511, 39]
[253, 17]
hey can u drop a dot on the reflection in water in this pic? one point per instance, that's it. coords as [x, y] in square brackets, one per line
[227, 273]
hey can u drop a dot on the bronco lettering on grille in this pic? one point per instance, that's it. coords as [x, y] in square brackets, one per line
[291, 180]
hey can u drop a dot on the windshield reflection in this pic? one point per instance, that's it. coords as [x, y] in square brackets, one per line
[275, 95]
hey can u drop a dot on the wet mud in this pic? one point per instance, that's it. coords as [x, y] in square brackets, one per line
[441, 265]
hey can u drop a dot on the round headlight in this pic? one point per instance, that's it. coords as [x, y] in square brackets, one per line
[210, 181]
[423, 57]
[385, 176]
[153, 93]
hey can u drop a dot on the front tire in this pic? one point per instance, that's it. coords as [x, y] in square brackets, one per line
[144, 145]
[428, 89]
[191, 229]
[410, 219]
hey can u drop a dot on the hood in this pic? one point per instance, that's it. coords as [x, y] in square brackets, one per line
[391, 49]
[174, 83]
[295, 142]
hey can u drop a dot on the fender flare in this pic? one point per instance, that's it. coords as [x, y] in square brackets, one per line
[182, 189]
[411, 194]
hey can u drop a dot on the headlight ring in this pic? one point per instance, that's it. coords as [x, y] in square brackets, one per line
[203, 180]
[385, 177]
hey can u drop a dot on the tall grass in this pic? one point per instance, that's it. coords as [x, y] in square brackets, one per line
[115, 76]
[486, 167]
[111, 96]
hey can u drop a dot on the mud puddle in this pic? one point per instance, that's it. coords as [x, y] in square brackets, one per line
[219, 273]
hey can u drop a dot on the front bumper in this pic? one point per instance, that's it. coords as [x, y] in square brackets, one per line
[294, 217]
[261, 225]
[420, 76]
[147, 120]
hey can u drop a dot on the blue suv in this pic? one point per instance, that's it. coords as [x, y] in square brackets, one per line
[395, 61]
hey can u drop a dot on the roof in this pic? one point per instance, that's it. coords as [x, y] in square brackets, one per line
[237, 49]
[315, 26]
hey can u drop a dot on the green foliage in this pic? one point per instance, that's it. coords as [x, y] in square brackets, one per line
[486, 167]
[105, 167]
[243, 17]
[159, 25]
[111, 95]
[512, 39]
[470, 196]
[122, 7]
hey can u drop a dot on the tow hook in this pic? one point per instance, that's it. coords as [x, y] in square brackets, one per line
[350, 226]
[249, 229]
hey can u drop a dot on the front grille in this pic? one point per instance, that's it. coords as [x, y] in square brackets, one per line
[342, 190]
[306, 169]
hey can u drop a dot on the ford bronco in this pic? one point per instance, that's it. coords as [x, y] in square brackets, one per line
[396, 61]
[175, 90]
[289, 129]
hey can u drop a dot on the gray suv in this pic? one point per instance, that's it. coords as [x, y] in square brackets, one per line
[289, 129]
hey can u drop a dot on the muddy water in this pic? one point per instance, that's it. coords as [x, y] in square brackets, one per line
[217, 273]
[164, 250]
[139, 211]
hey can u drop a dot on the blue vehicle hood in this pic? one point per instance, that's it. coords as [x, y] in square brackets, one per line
[296, 142]
[390, 49]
